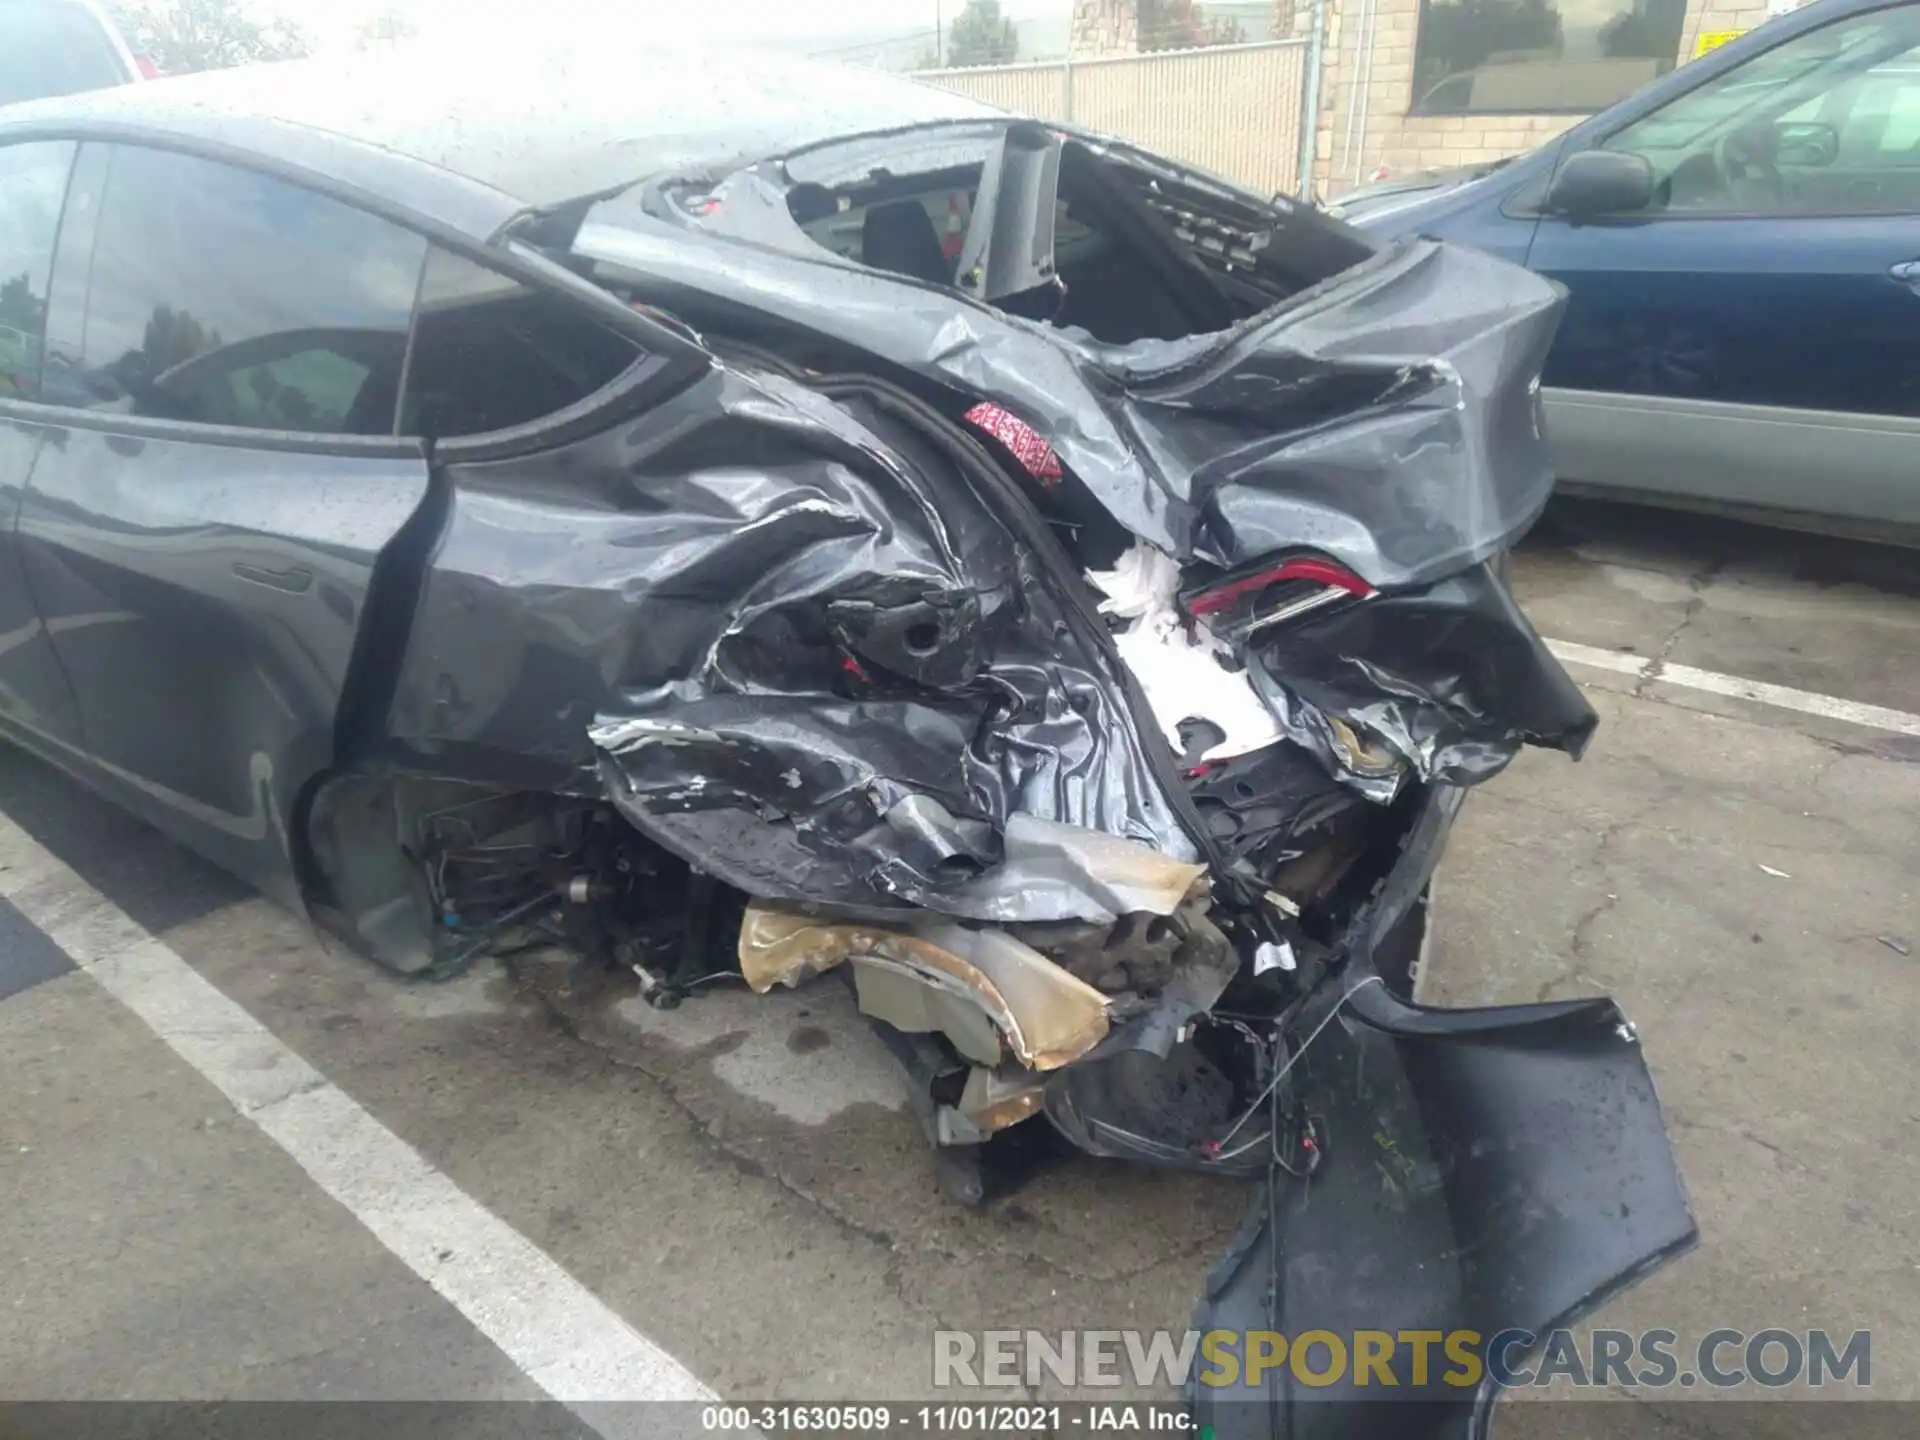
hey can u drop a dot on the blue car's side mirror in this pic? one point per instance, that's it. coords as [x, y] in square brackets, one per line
[1600, 182]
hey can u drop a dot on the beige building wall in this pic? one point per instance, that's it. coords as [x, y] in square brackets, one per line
[1196, 105]
[1364, 124]
[1182, 103]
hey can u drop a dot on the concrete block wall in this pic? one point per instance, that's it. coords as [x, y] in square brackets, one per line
[1105, 27]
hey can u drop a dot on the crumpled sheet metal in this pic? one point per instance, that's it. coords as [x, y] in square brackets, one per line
[798, 649]
[1444, 683]
[1453, 678]
[1388, 417]
[1046, 1016]
[1060, 872]
[995, 1100]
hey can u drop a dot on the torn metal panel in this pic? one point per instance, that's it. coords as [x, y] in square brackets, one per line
[1045, 1016]
[993, 1100]
[795, 644]
[1452, 677]
[1052, 871]
[909, 1002]
[1387, 417]
[1444, 682]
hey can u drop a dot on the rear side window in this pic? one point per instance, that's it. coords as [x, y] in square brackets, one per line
[47, 48]
[491, 353]
[225, 297]
[33, 186]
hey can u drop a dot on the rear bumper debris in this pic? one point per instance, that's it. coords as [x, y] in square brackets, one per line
[1480, 1171]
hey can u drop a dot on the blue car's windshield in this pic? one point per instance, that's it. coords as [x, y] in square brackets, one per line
[1767, 85]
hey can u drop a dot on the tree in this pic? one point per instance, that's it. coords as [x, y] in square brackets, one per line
[173, 337]
[1629, 35]
[20, 308]
[181, 36]
[980, 35]
[389, 27]
[1181, 25]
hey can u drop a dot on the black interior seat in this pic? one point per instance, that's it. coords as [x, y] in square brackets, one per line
[899, 236]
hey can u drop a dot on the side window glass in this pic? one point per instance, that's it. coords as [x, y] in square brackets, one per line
[490, 353]
[33, 187]
[226, 297]
[1822, 124]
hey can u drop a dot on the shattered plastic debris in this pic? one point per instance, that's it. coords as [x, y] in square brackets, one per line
[1181, 666]
[1478, 1187]
[1273, 956]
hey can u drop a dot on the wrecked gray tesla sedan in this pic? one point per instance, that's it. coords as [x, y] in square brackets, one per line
[743, 518]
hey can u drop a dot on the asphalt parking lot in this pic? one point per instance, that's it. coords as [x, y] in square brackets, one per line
[739, 1180]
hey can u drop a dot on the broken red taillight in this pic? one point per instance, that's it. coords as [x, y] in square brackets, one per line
[1026, 444]
[148, 70]
[1243, 605]
[1312, 569]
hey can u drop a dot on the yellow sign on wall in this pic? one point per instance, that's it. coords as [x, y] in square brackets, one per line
[1714, 39]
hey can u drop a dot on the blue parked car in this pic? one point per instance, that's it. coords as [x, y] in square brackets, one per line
[1741, 241]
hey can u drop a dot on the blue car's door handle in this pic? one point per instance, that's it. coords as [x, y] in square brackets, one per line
[1907, 272]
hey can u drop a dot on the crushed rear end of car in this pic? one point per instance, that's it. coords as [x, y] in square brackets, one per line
[1065, 601]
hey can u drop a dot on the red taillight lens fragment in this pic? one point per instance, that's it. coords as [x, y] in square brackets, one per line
[1309, 568]
[1252, 602]
[1027, 444]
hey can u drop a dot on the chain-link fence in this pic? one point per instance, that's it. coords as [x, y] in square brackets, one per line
[1232, 109]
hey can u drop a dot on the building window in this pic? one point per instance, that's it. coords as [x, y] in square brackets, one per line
[1534, 57]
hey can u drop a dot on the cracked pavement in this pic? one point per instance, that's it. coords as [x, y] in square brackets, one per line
[741, 1179]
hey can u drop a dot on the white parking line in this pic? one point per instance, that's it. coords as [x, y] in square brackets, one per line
[557, 1332]
[1785, 697]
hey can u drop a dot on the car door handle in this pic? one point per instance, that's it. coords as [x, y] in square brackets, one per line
[295, 579]
[1907, 272]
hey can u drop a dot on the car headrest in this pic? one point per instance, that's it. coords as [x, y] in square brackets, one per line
[899, 236]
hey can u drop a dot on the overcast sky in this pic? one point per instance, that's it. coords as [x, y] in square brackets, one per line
[333, 22]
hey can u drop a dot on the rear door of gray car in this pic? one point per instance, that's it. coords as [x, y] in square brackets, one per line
[218, 475]
[35, 704]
